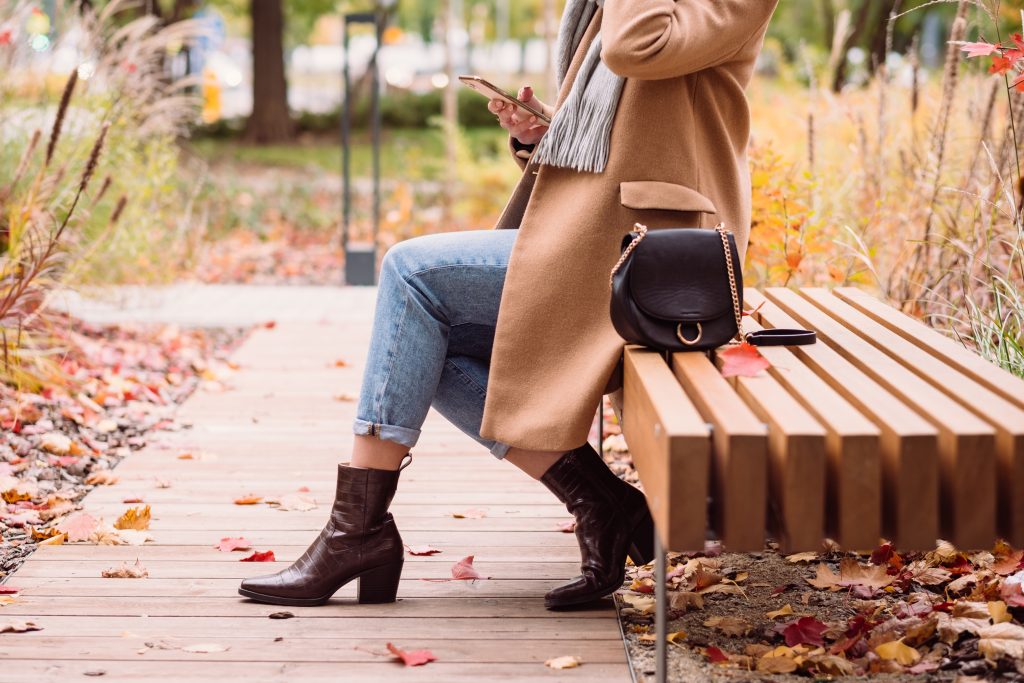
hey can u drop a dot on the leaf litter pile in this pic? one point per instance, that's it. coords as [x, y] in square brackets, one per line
[115, 385]
[924, 616]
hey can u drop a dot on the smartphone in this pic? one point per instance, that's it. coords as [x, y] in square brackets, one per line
[493, 92]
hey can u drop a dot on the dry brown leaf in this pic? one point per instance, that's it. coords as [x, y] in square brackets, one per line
[471, 513]
[642, 603]
[134, 518]
[102, 478]
[730, 626]
[6, 600]
[56, 443]
[565, 662]
[19, 627]
[294, 502]
[998, 611]
[1001, 640]
[802, 557]
[783, 611]
[686, 600]
[831, 665]
[776, 665]
[926, 575]
[126, 571]
[851, 573]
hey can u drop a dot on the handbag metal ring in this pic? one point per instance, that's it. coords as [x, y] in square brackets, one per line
[689, 342]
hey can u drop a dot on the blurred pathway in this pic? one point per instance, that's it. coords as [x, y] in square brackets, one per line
[281, 426]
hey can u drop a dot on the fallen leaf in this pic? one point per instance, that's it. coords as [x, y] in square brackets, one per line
[205, 648]
[280, 615]
[1008, 563]
[131, 537]
[8, 590]
[226, 545]
[899, 652]
[57, 539]
[851, 573]
[133, 499]
[776, 665]
[564, 662]
[686, 600]
[412, 657]
[783, 611]
[134, 518]
[420, 550]
[268, 556]
[344, 398]
[730, 626]
[248, 499]
[471, 513]
[997, 610]
[802, 557]
[715, 655]
[6, 600]
[742, 360]
[126, 571]
[102, 478]
[19, 627]
[804, 630]
[294, 502]
[78, 527]
[56, 443]
[642, 603]
[463, 570]
[1001, 640]
[831, 665]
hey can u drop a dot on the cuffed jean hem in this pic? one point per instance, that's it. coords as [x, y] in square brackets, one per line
[500, 450]
[402, 435]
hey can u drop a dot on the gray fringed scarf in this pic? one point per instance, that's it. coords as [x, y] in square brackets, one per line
[580, 131]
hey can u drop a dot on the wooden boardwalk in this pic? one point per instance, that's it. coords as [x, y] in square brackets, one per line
[283, 425]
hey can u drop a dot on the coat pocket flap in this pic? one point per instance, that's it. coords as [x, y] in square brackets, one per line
[655, 194]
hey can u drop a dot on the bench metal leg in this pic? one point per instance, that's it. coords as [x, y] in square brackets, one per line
[660, 613]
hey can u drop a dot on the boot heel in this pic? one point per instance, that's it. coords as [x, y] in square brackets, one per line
[381, 584]
[641, 549]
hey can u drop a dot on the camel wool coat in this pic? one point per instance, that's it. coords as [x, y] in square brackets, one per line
[678, 159]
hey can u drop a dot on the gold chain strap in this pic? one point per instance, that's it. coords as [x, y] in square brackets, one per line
[641, 234]
[724, 233]
[737, 309]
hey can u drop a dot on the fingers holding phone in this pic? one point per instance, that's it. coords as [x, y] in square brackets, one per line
[521, 124]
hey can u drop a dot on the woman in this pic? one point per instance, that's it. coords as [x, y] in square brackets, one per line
[506, 332]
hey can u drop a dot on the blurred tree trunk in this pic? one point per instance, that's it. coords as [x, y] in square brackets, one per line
[450, 112]
[269, 121]
[828, 18]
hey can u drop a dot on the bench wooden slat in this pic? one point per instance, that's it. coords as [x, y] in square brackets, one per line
[909, 442]
[1004, 383]
[671, 448]
[796, 461]
[1004, 415]
[966, 443]
[740, 461]
[854, 479]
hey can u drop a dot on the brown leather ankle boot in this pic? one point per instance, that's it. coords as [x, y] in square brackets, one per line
[360, 541]
[612, 521]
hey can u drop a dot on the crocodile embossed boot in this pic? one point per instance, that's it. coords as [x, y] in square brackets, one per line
[612, 521]
[360, 541]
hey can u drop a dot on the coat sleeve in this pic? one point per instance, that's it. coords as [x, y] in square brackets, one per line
[520, 152]
[655, 39]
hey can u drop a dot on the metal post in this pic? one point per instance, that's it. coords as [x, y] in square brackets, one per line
[660, 612]
[346, 128]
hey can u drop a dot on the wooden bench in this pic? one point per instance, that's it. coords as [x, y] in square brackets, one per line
[884, 428]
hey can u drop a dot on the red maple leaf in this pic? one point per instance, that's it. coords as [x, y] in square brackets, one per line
[257, 556]
[1000, 65]
[742, 360]
[805, 630]
[715, 655]
[464, 570]
[8, 590]
[412, 657]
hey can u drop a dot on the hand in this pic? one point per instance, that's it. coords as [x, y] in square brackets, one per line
[521, 124]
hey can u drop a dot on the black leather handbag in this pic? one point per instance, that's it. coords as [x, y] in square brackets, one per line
[680, 289]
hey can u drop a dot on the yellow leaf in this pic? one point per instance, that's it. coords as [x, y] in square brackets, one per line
[802, 557]
[896, 650]
[776, 665]
[134, 518]
[57, 539]
[730, 626]
[566, 662]
[997, 610]
[248, 499]
[783, 611]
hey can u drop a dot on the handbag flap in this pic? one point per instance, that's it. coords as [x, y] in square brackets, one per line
[680, 274]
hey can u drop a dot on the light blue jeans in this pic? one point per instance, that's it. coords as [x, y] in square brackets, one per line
[437, 307]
